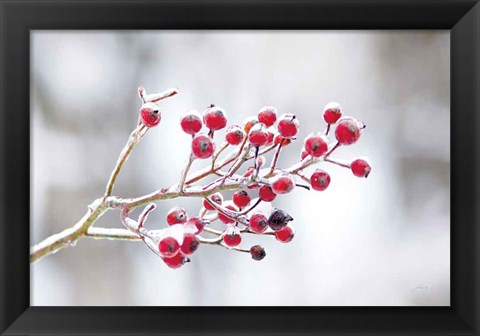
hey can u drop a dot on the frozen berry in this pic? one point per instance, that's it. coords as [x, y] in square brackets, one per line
[217, 198]
[258, 223]
[257, 252]
[235, 135]
[332, 112]
[258, 135]
[283, 184]
[360, 168]
[241, 198]
[168, 246]
[232, 239]
[320, 180]
[267, 115]
[176, 261]
[191, 122]
[316, 145]
[202, 146]
[266, 194]
[280, 139]
[190, 244]
[176, 215]
[288, 125]
[248, 123]
[198, 223]
[225, 219]
[347, 131]
[150, 114]
[215, 118]
[285, 235]
[278, 219]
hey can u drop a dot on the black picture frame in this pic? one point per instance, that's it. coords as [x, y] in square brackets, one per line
[18, 17]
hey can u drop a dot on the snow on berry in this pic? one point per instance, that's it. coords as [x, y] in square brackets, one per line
[150, 114]
[235, 135]
[332, 112]
[288, 125]
[267, 115]
[215, 118]
[202, 146]
[191, 122]
[316, 144]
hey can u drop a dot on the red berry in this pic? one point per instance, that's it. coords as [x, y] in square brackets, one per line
[235, 135]
[241, 198]
[278, 219]
[316, 145]
[332, 112]
[360, 168]
[176, 215]
[150, 114]
[288, 125]
[285, 235]
[249, 122]
[168, 247]
[190, 244]
[215, 118]
[191, 122]
[232, 238]
[280, 139]
[176, 261]
[203, 146]
[224, 218]
[266, 194]
[267, 115]
[320, 180]
[258, 223]
[347, 131]
[257, 252]
[198, 223]
[283, 184]
[217, 198]
[258, 135]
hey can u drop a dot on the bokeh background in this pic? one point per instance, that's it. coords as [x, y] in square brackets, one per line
[377, 241]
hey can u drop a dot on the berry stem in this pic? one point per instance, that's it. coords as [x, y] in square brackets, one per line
[327, 130]
[338, 163]
[217, 154]
[275, 159]
[327, 154]
[155, 97]
[246, 211]
[113, 234]
[135, 137]
[181, 185]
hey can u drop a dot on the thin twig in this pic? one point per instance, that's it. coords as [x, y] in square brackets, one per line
[133, 140]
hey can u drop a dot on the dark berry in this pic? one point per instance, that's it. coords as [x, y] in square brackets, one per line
[257, 252]
[278, 219]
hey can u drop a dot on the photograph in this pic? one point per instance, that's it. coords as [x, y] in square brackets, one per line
[240, 168]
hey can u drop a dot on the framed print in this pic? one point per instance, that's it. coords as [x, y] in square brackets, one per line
[185, 167]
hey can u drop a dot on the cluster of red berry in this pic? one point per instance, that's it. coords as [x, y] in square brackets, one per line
[266, 131]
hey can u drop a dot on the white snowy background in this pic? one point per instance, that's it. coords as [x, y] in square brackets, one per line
[377, 241]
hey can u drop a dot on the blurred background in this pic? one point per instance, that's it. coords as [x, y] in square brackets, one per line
[377, 241]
